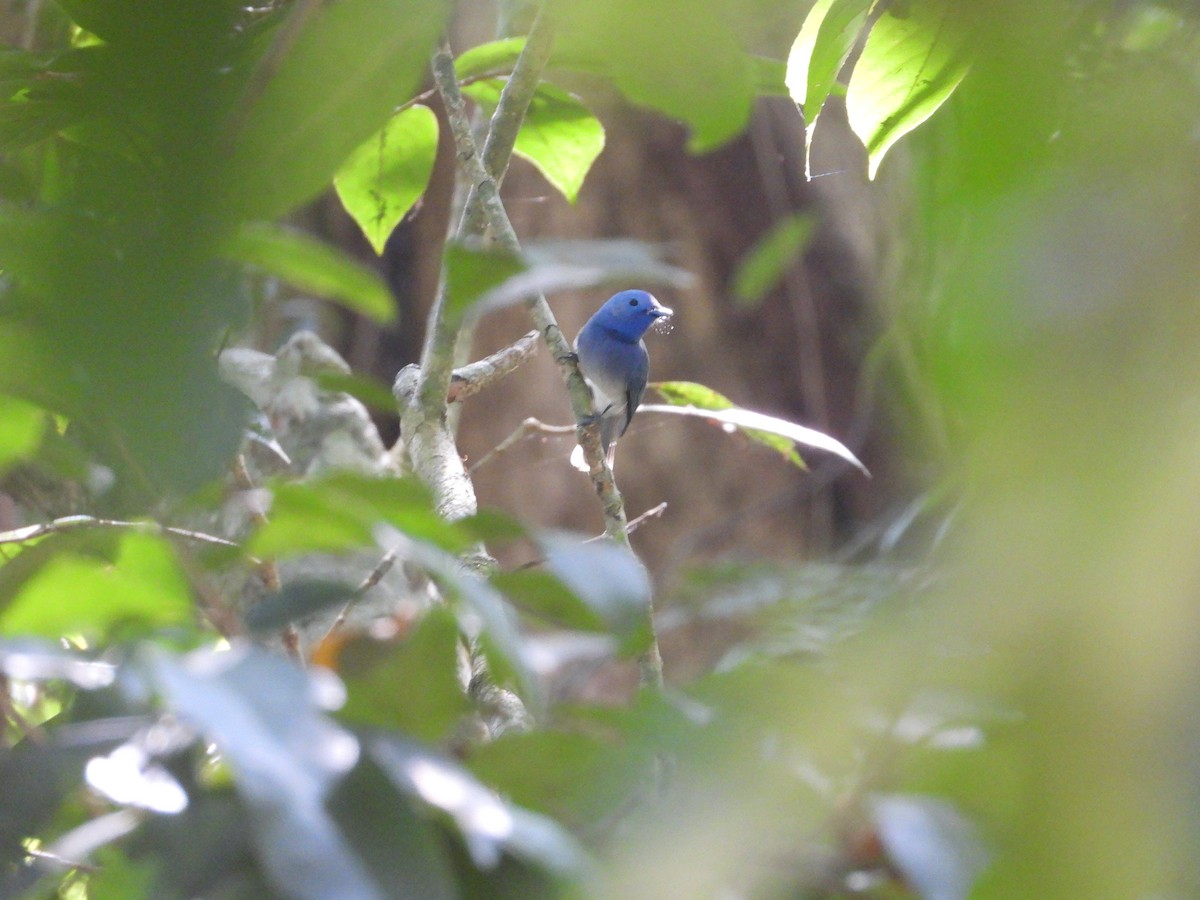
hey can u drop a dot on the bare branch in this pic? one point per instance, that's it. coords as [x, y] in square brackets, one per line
[469, 380]
[529, 427]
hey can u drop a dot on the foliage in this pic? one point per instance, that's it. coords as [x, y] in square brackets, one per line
[1004, 710]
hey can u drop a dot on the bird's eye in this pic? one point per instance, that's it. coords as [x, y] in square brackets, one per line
[633, 302]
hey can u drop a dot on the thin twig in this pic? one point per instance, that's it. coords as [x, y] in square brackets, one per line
[525, 429]
[373, 578]
[81, 522]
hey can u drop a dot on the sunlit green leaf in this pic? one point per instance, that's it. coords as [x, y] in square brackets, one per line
[914, 58]
[771, 256]
[388, 173]
[71, 594]
[327, 89]
[559, 135]
[829, 34]
[314, 266]
[21, 427]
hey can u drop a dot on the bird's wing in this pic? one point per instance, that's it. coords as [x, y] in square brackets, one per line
[635, 387]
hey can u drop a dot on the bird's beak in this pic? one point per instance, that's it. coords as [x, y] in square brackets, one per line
[661, 312]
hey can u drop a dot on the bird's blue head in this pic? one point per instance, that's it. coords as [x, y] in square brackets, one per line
[630, 313]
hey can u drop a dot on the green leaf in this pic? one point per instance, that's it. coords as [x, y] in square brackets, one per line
[910, 66]
[596, 586]
[550, 266]
[393, 835]
[770, 76]
[297, 600]
[609, 579]
[286, 756]
[21, 428]
[72, 593]
[341, 512]
[492, 58]
[932, 844]
[778, 434]
[327, 90]
[314, 266]
[688, 393]
[388, 173]
[472, 272]
[559, 135]
[410, 685]
[770, 257]
[829, 33]
[678, 57]
[820, 50]
[489, 825]
[367, 391]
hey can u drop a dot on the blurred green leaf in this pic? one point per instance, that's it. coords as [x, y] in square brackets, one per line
[551, 266]
[314, 266]
[677, 57]
[72, 594]
[931, 843]
[342, 510]
[472, 272]
[410, 685]
[609, 579]
[597, 586]
[490, 58]
[296, 600]
[574, 777]
[914, 58]
[771, 256]
[393, 836]
[368, 392]
[559, 135]
[489, 825]
[388, 173]
[541, 594]
[21, 428]
[332, 78]
[286, 757]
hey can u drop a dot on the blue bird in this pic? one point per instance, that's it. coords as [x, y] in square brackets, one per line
[613, 358]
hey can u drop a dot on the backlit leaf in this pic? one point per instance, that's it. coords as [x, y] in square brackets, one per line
[559, 135]
[388, 173]
[911, 64]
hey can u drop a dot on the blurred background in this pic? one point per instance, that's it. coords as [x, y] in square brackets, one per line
[973, 674]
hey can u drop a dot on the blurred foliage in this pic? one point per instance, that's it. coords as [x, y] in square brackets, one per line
[1004, 709]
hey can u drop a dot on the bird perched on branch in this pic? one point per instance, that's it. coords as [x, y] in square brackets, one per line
[613, 359]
